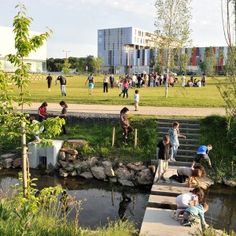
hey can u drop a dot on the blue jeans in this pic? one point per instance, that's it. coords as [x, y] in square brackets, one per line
[174, 150]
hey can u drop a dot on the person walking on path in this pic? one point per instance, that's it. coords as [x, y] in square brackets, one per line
[124, 122]
[62, 80]
[136, 99]
[174, 134]
[49, 82]
[202, 155]
[105, 83]
[63, 115]
[90, 81]
[125, 88]
[42, 111]
[163, 156]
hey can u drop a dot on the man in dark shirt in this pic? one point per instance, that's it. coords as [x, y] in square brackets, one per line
[163, 155]
[49, 80]
[62, 80]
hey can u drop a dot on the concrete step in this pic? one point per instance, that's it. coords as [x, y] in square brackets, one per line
[184, 158]
[169, 190]
[188, 152]
[172, 163]
[158, 201]
[189, 135]
[182, 124]
[182, 130]
[181, 121]
[159, 222]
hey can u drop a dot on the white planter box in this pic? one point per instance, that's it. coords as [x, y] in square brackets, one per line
[39, 154]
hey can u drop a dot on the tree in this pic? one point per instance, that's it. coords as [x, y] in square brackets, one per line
[172, 27]
[228, 89]
[97, 62]
[15, 124]
[66, 66]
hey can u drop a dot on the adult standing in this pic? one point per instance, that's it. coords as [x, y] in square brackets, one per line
[62, 80]
[49, 82]
[42, 111]
[125, 87]
[112, 80]
[91, 83]
[174, 134]
[105, 83]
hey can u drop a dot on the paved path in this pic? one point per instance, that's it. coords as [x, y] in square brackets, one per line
[143, 110]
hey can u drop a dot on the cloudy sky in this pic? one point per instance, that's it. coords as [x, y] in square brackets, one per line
[75, 22]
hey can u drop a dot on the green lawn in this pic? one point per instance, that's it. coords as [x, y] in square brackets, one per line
[77, 92]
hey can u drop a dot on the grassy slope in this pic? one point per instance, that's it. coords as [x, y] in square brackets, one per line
[77, 92]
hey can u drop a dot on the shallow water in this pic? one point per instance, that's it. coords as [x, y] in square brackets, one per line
[222, 207]
[103, 201]
[100, 201]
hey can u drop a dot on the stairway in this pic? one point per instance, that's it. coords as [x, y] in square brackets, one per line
[188, 146]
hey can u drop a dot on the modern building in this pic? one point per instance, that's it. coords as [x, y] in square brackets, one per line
[132, 50]
[125, 49]
[37, 59]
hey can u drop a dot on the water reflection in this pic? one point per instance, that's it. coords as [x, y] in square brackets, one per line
[100, 201]
[222, 207]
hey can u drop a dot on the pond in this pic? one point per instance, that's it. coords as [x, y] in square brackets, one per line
[222, 207]
[101, 201]
[104, 201]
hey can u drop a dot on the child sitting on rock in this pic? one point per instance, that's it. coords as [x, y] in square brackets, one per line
[193, 212]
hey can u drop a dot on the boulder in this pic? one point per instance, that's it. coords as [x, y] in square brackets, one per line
[230, 182]
[137, 166]
[69, 167]
[86, 175]
[98, 172]
[8, 155]
[62, 156]
[71, 157]
[77, 143]
[108, 168]
[7, 163]
[63, 164]
[82, 166]
[145, 177]
[123, 173]
[63, 173]
[92, 161]
[125, 182]
[73, 173]
[17, 163]
[113, 179]
[71, 151]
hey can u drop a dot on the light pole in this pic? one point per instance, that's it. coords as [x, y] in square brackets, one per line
[66, 52]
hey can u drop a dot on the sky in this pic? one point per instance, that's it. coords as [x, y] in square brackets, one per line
[75, 22]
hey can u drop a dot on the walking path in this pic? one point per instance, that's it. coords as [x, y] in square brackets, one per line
[143, 110]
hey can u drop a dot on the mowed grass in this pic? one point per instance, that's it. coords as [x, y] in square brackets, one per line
[77, 92]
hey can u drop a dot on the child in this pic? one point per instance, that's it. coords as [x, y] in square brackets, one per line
[192, 212]
[136, 99]
[124, 122]
[163, 155]
[192, 198]
[42, 112]
[187, 173]
[174, 139]
[202, 155]
[63, 114]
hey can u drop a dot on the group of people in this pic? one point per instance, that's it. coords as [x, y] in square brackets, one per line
[43, 115]
[190, 205]
[61, 79]
[193, 82]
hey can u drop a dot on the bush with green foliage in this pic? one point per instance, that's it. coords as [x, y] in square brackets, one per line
[214, 130]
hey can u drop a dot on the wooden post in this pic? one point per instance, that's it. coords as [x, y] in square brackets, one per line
[24, 160]
[113, 136]
[135, 137]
